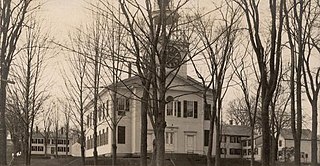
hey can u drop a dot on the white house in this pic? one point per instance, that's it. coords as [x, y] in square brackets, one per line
[286, 145]
[38, 143]
[232, 136]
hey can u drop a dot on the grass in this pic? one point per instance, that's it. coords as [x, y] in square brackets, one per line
[181, 160]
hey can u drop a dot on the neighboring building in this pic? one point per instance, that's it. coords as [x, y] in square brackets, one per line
[286, 146]
[231, 139]
[246, 147]
[38, 143]
[76, 149]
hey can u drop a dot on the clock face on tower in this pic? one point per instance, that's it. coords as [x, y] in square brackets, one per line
[173, 57]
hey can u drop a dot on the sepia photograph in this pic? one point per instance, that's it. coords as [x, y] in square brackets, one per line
[159, 82]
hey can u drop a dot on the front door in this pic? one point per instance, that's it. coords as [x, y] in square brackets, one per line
[169, 136]
[52, 150]
[190, 143]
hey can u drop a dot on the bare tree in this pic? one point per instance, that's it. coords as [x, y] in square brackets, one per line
[151, 36]
[76, 83]
[67, 116]
[268, 59]
[13, 15]
[217, 47]
[29, 89]
[301, 18]
[47, 123]
[249, 106]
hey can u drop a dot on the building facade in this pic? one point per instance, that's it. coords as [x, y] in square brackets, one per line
[40, 145]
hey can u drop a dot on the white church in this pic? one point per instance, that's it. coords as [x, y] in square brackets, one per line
[187, 121]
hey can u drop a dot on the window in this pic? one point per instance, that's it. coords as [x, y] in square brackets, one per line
[34, 141]
[121, 134]
[88, 119]
[100, 109]
[190, 109]
[60, 141]
[106, 136]
[249, 151]
[40, 141]
[34, 148]
[249, 142]
[170, 109]
[40, 148]
[178, 108]
[206, 137]
[174, 108]
[280, 143]
[235, 139]
[99, 140]
[306, 155]
[169, 138]
[235, 151]
[244, 143]
[123, 106]
[106, 109]
[244, 152]
[256, 151]
[207, 112]
[223, 139]
[222, 150]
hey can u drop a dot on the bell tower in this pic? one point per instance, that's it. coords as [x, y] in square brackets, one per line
[177, 49]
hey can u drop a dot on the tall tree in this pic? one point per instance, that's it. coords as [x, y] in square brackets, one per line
[76, 83]
[28, 72]
[249, 106]
[300, 20]
[217, 45]
[268, 60]
[13, 15]
[151, 36]
[311, 72]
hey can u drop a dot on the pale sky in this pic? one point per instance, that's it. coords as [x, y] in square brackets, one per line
[62, 17]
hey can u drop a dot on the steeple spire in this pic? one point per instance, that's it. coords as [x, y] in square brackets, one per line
[164, 3]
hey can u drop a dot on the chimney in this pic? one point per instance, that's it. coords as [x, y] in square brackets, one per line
[231, 122]
[129, 69]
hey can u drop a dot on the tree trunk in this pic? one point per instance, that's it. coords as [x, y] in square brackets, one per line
[210, 141]
[144, 128]
[82, 139]
[218, 135]
[67, 140]
[26, 145]
[265, 131]
[114, 127]
[252, 145]
[314, 144]
[114, 145]
[3, 129]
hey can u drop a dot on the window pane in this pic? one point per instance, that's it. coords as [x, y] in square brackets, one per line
[190, 108]
[170, 109]
[121, 134]
[179, 109]
[206, 137]
[207, 112]
[195, 107]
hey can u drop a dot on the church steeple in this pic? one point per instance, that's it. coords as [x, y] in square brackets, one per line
[176, 49]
